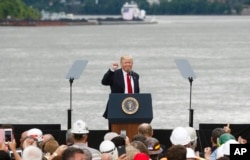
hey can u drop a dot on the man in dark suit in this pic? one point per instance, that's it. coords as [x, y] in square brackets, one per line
[120, 79]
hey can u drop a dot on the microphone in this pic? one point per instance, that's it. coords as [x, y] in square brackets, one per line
[130, 73]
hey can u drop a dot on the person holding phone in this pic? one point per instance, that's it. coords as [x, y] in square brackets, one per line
[7, 135]
[14, 152]
[121, 80]
[9, 148]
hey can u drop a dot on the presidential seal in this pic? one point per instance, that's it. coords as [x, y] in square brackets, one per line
[130, 105]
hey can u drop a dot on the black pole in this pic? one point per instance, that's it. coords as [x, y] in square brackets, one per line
[191, 114]
[70, 110]
[69, 118]
[191, 111]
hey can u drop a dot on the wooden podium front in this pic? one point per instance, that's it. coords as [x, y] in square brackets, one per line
[131, 129]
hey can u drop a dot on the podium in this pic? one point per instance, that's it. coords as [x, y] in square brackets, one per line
[128, 111]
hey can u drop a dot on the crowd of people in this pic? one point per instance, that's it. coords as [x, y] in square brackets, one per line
[34, 145]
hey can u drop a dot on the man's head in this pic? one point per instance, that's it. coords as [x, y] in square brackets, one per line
[176, 152]
[145, 129]
[127, 63]
[153, 146]
[139, 137]
[80, 131]
[87, 154]
[216, 133]
[180, 136]
[107, 146]
[35, 133]
[50, 146]
[73, 153]
[32, 153]
[80, 127]
[108, 150]
[47, 137]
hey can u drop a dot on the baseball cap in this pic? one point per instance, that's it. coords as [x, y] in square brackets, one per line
[153, 146]
[80, 127]
[225, 137]
[35, 133]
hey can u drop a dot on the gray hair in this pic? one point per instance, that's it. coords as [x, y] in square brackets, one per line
[32, 153]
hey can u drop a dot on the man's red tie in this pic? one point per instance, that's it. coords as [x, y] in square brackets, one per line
[129, 84]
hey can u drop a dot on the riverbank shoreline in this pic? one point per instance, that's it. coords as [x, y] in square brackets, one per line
[77, 22]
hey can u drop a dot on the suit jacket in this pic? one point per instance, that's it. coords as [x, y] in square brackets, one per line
[116, 82]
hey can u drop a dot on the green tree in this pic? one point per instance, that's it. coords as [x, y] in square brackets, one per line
[17, 9]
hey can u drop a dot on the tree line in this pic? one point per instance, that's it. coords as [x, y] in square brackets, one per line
[32, 8]
[17, 9]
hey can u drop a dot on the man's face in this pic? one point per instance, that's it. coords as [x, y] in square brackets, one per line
[127, 64]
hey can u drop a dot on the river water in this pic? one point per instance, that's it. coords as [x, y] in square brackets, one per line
[35, 61]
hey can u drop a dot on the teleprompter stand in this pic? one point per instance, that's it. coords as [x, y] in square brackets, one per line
[187, 73]
[74, 73]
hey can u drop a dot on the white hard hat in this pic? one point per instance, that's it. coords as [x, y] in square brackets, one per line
[180, 136]
[107, 146]
[192, 133]
[35, 133]
[80, 127]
